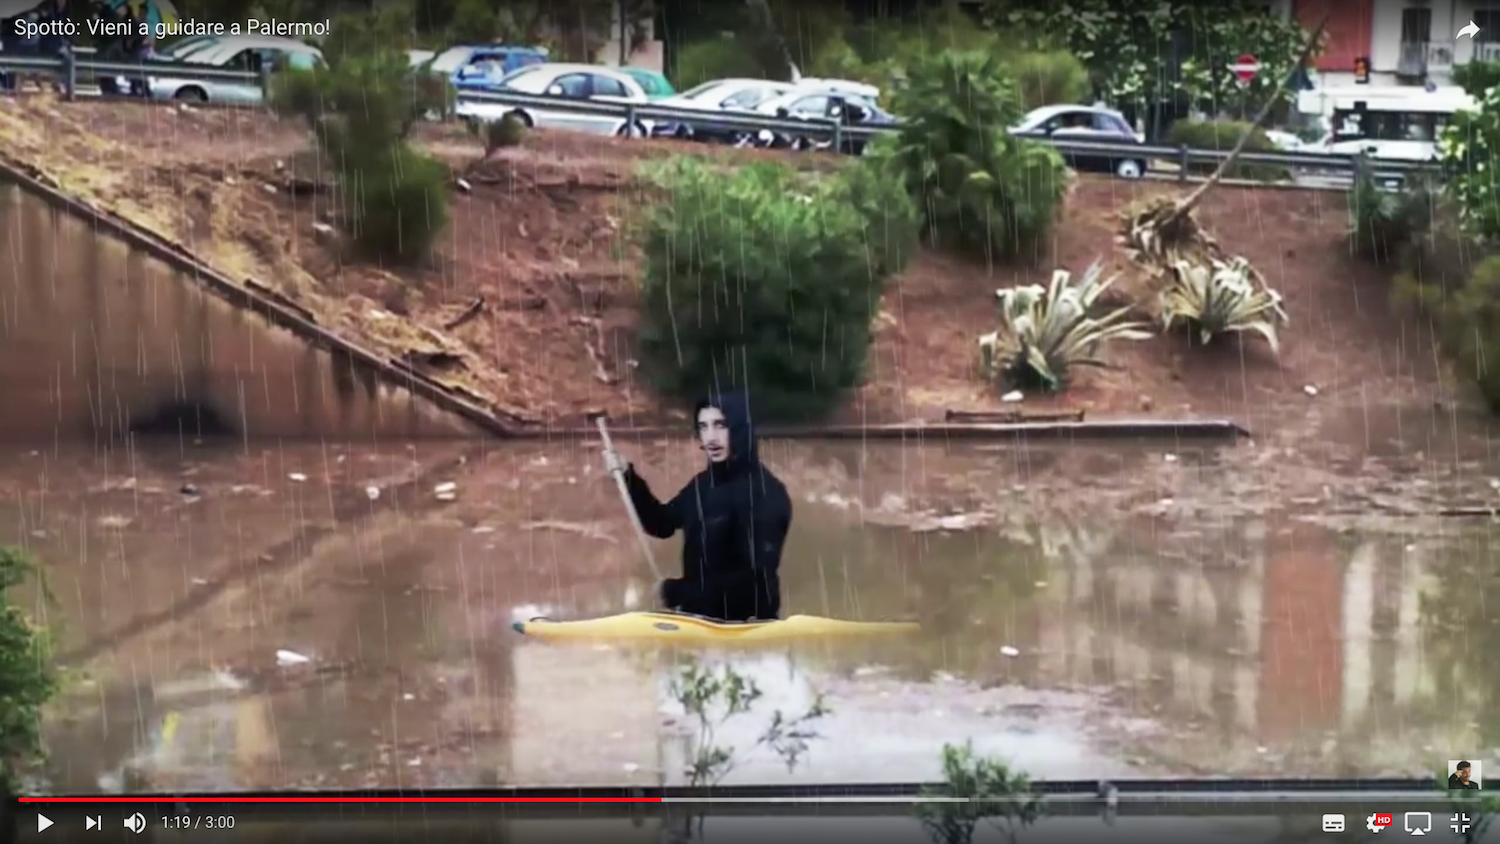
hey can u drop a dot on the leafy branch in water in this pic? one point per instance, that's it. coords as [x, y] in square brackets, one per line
[27, 680]
[997, 797]
[713, 696]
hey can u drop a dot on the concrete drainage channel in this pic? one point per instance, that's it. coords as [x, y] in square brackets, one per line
[476, 418]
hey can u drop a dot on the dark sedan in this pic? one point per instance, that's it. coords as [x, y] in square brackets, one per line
[1083, 124]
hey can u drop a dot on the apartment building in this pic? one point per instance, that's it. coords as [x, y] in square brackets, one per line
[1407, 42]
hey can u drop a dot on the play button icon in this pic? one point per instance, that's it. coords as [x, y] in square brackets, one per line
[42, 822]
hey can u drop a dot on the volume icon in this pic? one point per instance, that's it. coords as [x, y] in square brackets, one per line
[136, 823]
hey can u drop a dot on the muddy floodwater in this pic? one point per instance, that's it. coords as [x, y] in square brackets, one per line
[252, 616]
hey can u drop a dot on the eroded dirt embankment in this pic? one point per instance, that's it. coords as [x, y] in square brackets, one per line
[530, 301]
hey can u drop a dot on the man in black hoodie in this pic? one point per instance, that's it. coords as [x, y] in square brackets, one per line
[734, 516]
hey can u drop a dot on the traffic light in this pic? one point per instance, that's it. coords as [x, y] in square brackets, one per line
[1362, 70]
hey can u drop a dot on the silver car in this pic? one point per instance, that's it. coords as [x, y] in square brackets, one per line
[242, 54]
[570, 81]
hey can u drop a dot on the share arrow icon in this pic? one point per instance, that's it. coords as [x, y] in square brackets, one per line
[1471, 30]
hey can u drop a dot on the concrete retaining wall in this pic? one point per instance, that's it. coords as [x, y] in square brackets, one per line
[96, 337]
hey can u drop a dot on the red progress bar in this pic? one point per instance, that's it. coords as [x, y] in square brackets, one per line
[232, 799]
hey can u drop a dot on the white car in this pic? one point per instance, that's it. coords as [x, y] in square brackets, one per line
[732, 95]
[572, 81]
[1284, 141]
[841, 86]
[243, 54]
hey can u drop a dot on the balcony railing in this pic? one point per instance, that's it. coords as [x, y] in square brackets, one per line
[1439, 55]
[1487, 51]
[1413, 59]
[1418, 58]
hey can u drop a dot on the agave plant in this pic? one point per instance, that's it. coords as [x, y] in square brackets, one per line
[1044, 332]
[1221, 297]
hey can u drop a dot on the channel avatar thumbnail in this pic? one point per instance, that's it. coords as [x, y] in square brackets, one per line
[1463, 774]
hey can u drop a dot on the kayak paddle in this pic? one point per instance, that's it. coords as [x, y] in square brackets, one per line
[635, 518]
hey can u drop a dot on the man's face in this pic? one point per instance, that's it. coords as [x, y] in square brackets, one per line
[1463, 775]
[713, 434]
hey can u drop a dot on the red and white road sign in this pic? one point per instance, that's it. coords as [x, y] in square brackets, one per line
[1245, 67]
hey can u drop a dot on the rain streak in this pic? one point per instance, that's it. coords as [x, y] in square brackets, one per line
[1037, 403]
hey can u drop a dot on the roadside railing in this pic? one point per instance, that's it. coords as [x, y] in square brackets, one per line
[488, 105]
[78, 65]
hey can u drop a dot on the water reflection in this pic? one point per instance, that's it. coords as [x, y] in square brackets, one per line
[1077, 641]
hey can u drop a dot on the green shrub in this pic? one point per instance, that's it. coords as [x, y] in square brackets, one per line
[1468, 148]
[395, 205]
[725, 57]
[1223, 135]
[508, 131]
[361, 107]
[1049, 78]
[1467, 317]
[1476, 77]
[1384, 224]
[27, 680]
[979, 189]
[768, 278]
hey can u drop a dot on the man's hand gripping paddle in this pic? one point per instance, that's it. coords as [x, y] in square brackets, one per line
[635, 518]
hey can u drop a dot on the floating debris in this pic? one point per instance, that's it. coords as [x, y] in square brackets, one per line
[1310, 390]
[1013, 396]
[1007, 650]
[285, 658]
[298, 477]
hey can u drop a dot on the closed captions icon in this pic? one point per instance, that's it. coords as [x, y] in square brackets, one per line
[1333, 823]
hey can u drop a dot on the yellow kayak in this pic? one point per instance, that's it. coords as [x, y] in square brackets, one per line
[680, 627]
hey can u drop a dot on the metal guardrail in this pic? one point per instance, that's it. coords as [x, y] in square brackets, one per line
[633, 113]
[69, 67]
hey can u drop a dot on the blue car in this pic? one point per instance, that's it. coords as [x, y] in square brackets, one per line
[481, 66]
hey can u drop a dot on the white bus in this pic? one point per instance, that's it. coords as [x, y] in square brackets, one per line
[1394, 122]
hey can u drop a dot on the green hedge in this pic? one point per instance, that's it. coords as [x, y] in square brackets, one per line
[1384, 224]
[1223, 135]
[767, 278]
[1467, 318]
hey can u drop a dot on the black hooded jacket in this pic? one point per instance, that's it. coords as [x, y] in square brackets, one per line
[1455, 782]
[734, 517]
